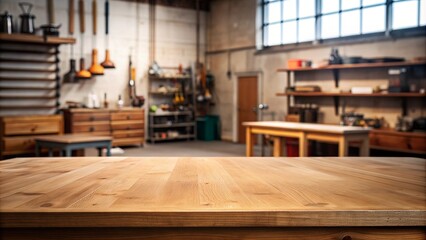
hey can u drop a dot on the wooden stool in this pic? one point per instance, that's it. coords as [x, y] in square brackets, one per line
[68, 142]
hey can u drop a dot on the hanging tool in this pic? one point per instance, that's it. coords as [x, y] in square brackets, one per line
[132, 82]
[83, 73]
[136, 101]
[69, 77]
[95, 68]
[207, 94]
[107, 63]
[50, 29]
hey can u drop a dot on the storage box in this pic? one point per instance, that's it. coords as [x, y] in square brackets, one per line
[208, 128]
[294, 63]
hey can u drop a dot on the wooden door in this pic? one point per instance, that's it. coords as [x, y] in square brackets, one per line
[247, 104]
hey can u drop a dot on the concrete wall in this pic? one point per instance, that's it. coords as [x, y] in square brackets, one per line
[232, 25]
[129, 34]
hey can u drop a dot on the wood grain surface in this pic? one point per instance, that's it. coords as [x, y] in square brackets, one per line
[212, 192]
[312, 127]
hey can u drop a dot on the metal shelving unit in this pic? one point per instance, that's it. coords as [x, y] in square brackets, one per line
[161, 123]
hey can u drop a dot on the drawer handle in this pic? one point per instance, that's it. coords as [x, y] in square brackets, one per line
[33, 128]
[345, 237]
[128, 117]
[92, 129]
[92, 118]
[127, 128]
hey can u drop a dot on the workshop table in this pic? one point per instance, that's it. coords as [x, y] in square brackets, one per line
[213, 198]
[68, 142]
[342, 135]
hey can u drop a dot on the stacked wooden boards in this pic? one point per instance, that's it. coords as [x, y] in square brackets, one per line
[213, 198]
[125, 125]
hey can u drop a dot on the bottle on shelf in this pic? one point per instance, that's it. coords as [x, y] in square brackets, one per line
[120, 102]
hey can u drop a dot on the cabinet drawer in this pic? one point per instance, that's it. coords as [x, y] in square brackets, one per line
[127, 141]
[14, 145]
[394, 142]
[417, 144]
[128, 133]
[397, 142]
[127, 125]
[90, 127]
[30, 128]
[127, 116]
[89, 117]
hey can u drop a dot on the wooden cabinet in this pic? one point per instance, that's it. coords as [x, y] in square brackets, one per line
[17, 132]
[398, 141]
[126, 125]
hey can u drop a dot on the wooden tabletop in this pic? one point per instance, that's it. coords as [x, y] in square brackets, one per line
[312, 127]
[72, 138]
[233, 191]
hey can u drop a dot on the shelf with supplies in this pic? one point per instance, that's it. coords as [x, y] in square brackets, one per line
[336, 68]
[35, 39]
[331, 94]
[171, 102]
[45, 68]
[355, 65]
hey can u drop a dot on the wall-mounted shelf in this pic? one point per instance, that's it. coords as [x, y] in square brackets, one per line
[28, 88]
[34, 39]
[27, 70]
[329, 94]
[27, 79]
[336, 68]
[352, 66]
[28, 97]
[11, 60]
[17, 107]
[336, 74]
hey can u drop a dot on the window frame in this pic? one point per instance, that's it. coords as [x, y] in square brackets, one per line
[387, 34]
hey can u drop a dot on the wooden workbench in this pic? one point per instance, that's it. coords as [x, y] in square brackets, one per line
[342, 135]
[220, 198]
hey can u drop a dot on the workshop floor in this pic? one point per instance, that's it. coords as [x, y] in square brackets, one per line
[184, 149]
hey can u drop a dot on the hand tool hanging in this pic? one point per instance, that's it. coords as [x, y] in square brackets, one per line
[83, 73]
[95, 68]
[136, 101]
[107, 63]
[50, 29]
[69, 77]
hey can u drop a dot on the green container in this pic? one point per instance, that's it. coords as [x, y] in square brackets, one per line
[208, 128]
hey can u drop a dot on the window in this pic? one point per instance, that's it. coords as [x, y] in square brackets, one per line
[299, 21]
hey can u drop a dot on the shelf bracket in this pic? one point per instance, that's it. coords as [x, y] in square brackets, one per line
[336, 77]
[336, 100]
[404, 106]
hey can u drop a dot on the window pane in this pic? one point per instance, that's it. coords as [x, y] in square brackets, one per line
[373, 19]
[350, 4]
[330, 26]
[404, 14]
[289, 9]
[330, 6]
[273, 34]
[289, 32]
[371, 2]
[306, 30]
[423, 12]
[273, 12]
[351, 23]
[306, 8]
